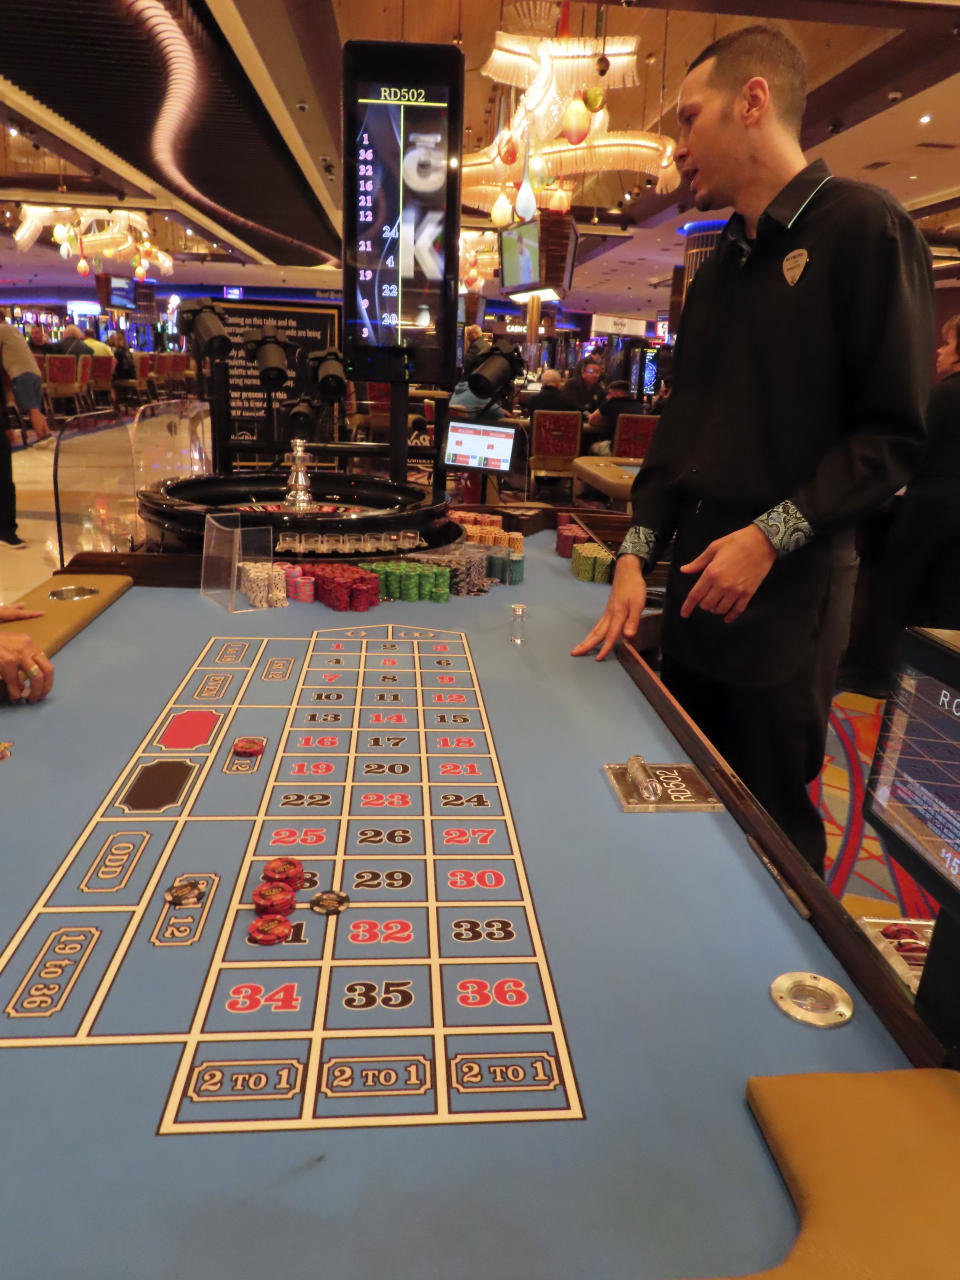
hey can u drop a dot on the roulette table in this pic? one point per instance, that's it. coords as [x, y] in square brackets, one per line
[508, 1026]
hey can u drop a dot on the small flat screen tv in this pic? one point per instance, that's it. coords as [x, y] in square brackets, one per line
[122, 293]
[479, 446]
[520, 256]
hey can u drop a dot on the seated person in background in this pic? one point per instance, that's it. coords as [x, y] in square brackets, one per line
[550, 395]
[96, 346]
[25, 670]
[37, 339]
[602, 423]
[586, 389]
[124, 370]
[71, 344]
[662, 396]
[476, 408]
[475, 347]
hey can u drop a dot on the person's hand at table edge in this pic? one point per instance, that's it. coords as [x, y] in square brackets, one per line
[731, 569]
[628, 595]
[25, 669]
[17, 612]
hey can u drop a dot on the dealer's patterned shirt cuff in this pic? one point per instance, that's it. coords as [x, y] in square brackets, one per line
[638, 542]
[786, 527]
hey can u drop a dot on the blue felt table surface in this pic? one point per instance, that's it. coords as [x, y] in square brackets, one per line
[663, 934]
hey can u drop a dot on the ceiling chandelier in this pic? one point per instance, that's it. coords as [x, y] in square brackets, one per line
[123, 234]
[559, 128]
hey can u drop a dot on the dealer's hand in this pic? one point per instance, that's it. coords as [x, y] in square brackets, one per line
[625, 604]
[731, 569]
[25, 669]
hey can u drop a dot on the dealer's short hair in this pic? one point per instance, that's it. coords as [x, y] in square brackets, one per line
[761, 51]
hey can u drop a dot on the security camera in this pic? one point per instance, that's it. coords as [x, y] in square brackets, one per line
[895, 95]
[603, 65]
[301, 106]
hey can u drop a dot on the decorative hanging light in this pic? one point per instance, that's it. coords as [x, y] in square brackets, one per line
[83, 267]
[508, 149]
[560, 84]
[526, 203]
[65, 251]
[560, 201]
[502, 212]
[599, 122]
[60, 233]
[576, 122]
[538, 172]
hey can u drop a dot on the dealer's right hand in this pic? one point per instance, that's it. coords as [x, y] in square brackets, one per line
[625, 604]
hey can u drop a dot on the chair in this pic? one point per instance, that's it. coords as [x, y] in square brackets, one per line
[555, 444]
[633, 434]
[159, 377]
[60, 382]
[178, 372]
[138, 387]
[101, 377]
[84, 370]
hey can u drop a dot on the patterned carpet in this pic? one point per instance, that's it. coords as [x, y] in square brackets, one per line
[858, 871]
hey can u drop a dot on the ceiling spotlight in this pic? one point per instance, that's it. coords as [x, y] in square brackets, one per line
[189, 232]
[913, 177]
[925, 119]
[13, 131]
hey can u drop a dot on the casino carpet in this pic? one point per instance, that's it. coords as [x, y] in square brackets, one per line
[859, 873]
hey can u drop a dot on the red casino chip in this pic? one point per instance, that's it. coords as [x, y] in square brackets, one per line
[267, 931]
[287, 871]
[248, 746]
[274, 897]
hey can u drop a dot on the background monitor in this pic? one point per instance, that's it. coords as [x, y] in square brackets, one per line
[122, 296]
[479, 446]
[520, 256]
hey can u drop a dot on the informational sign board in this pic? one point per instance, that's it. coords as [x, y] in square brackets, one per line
[314, 328]
[403, 114]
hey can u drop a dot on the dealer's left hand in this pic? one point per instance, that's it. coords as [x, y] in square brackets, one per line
[731, 569]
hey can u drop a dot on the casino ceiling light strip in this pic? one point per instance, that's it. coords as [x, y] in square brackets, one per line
[552, 73]
[183, 89]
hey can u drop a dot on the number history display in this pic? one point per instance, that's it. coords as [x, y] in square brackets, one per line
[402, 140]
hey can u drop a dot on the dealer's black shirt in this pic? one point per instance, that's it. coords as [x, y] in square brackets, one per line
[800, 381]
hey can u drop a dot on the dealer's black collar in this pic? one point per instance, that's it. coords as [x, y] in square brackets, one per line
[784, 209]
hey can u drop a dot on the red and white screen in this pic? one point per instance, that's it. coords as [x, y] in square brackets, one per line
[475, 445]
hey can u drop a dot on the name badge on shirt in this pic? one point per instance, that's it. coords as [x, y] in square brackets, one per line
[794, 265]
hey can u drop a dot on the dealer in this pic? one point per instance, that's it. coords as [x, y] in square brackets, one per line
[801, 374]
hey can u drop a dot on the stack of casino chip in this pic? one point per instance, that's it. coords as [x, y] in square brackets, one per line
[591, 562]
[441, 585]
[516, 568]
[255, 583]
[498, 566]
[568, 535]
[515, 542]
[277, 594]
[300, 586]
